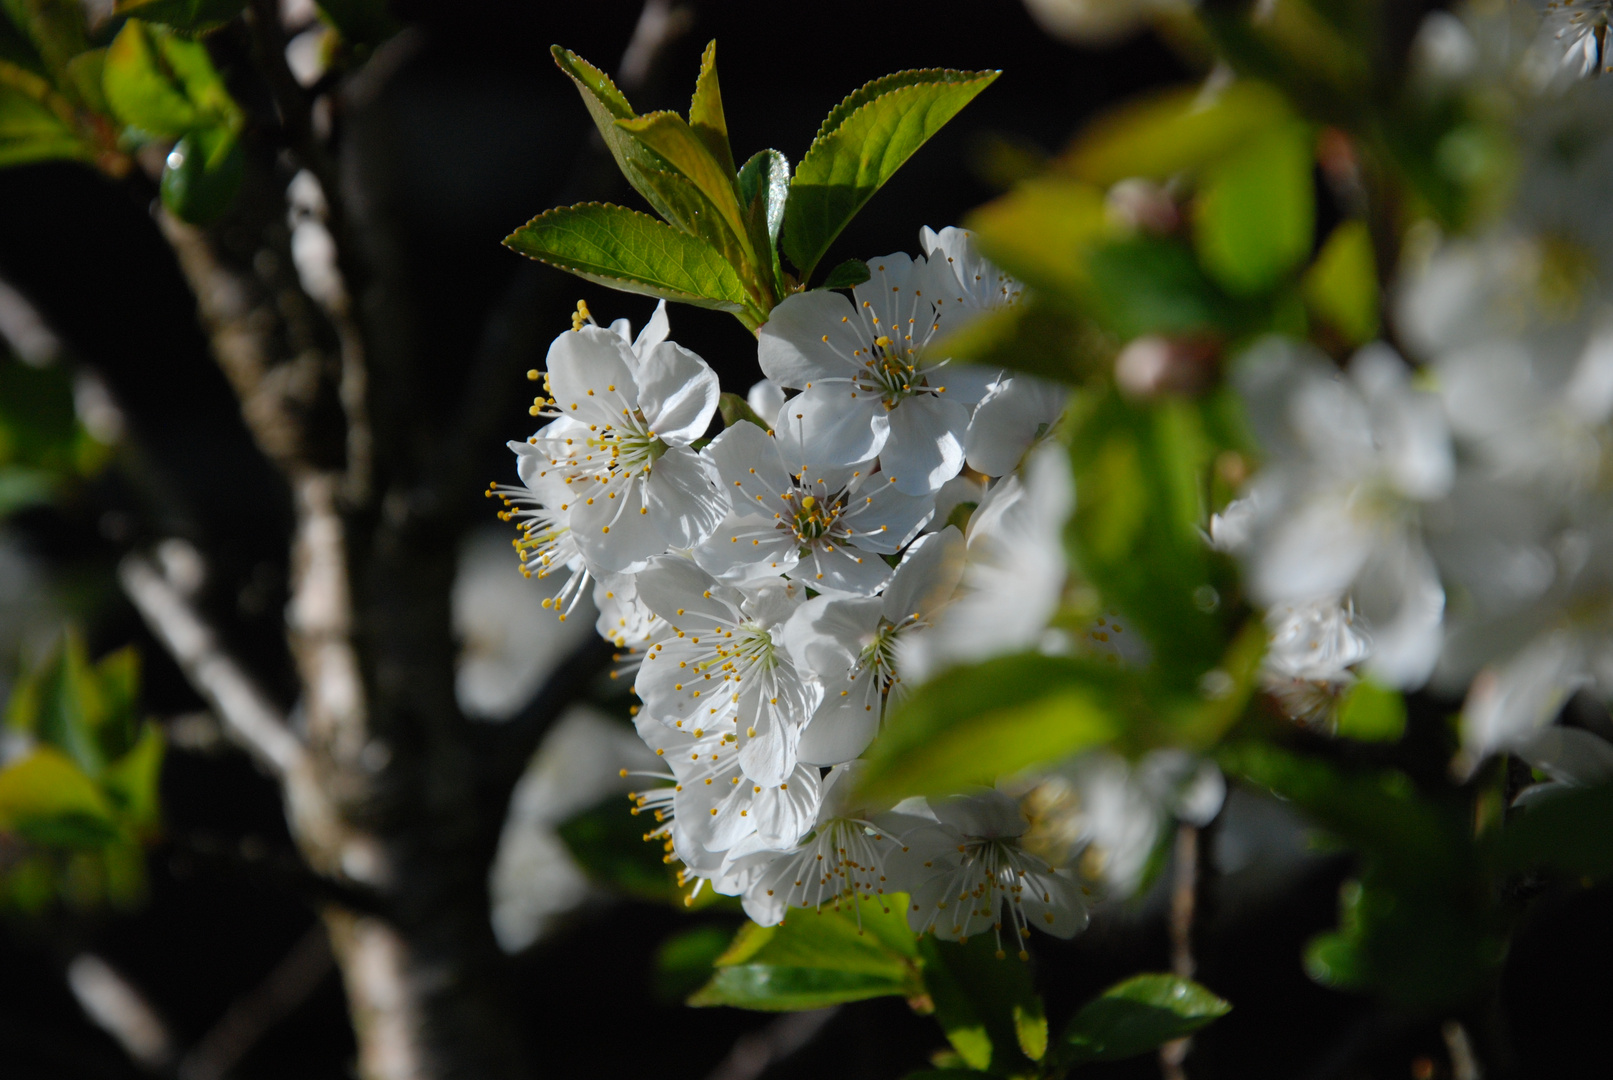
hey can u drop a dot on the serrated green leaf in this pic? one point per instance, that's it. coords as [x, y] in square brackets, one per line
[706, 115]
[721, 224]
[847, 275]
[860, 146]
[1178, 131]
[1138, 1016]
[1341, 287]
[48, 799]
[668, 192]
[54, 28]
[190, 16]
[165, 84]
[818, 958]
[631, 251]
[968, 726]
[1256, 210]
[1371, 712]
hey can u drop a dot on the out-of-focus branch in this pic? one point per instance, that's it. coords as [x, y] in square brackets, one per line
[121, 1010]
[249, 718]
[251, 1016]
[293, 104]
[754, 1053]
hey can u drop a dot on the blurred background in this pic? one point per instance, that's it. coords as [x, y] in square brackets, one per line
[120, 432]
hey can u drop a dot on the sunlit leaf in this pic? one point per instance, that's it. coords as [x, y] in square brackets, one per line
[165, 84]
[1256, 210]
[1138, 1016]
[1046, 340]
[1178, 131]
[970, 725]
[30, 130]
[1044, 231]
[706, 115]
[633, 252]
[819, 958]
[132, 780]
[985, 1002]
[1341, 287]
[48, 799]
[1371, 712]
[861, 144]
[735, 409]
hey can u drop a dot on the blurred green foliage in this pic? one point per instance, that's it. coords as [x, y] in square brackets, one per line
[79, 801]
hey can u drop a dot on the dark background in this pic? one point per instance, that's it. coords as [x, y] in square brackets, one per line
[481, 133]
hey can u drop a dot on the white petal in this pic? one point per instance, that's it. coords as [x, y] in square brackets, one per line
[683, 498]
[765, 399]
[784, 812]
[592, 359]
[1004, 425]
[825, 426]
[791, 348]
[927, 577]
[843, 726]
[925, 447]
[686, 596]
[678, 393]
[655, 331]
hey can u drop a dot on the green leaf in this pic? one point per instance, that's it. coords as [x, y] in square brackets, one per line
[1570, 832]
[972, 724]
[1152, 286]
[1372, 712]
[1043, 233]
[764, 184]
[627, 250]
[609, 843]
[1036, 337]
[720, 221]
[190, 16]
[165, 84]
[1256, 210]
[685, 961]
[818, 958]
[1138, 1016]
[1178, 131]
[985, 1003]
[1135, 531]
[861, 144]
[669, 193]
[706, 112]
[30, 130]
[736, 409]
[48, 799]
[202, 174]
[1341, 287]
[851, 273]
[132, 780]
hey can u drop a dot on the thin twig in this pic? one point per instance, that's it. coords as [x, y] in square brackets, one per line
[1184, 895]
[249, 718]
[754, 1053]
[253, 1015]
[121, 1010]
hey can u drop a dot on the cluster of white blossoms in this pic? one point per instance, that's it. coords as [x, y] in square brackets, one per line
[1453, 526]
[771, 589]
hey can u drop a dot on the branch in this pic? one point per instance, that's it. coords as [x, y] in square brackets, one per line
[253, 1014]
[1184, 894]
[754, 1053]
[249, 718]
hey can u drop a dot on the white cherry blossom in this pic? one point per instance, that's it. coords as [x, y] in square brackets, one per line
[969, 874]
[625, 416]
[825, 526]
[725, 668]
[851, 645]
